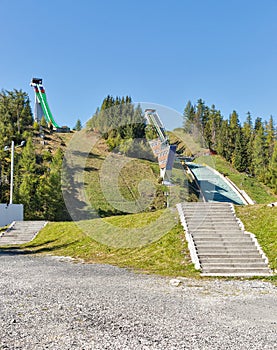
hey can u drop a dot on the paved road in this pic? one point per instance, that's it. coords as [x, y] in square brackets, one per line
[47, 303]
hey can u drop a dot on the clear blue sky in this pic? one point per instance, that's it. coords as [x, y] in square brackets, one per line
[165, 52]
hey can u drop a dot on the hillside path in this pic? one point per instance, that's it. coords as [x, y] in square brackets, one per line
[21, 232]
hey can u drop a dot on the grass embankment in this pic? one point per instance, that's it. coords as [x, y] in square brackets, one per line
[262, 221]
[167, 256]
[112, 180]
[256, 190]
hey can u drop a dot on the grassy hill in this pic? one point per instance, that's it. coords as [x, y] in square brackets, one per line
[166, 254]
[132, 172]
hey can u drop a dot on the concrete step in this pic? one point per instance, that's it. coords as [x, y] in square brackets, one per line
[225, 265]
[230, 260]
[218, 217]
[225, 250]
[204, 205]
[213, 225]
[237, 274]
[224, 245]
[210, 227]
[221, 256]
[217, 236]
[219, 242]
[191, 213]
[249, 270]
[216, 231]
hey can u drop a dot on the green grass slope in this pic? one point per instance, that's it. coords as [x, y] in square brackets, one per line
[167, 256]
[126, 181]
[262, 221]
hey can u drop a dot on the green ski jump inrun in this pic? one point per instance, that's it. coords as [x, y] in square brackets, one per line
[41, 104]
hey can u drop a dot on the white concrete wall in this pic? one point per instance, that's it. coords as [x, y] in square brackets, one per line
[10, 213]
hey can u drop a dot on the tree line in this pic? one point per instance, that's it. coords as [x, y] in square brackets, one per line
[250, 146]
[122, 125]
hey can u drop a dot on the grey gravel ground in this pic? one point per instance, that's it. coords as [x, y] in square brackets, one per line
[51, 303]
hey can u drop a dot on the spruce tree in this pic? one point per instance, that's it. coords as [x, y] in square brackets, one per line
[188, 117]
[259, 155]
[273, 169]
[270, 137]
[247, 132]
[239, 158]
[78, 125]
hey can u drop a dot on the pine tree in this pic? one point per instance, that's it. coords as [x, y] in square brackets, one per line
[222, 144]
[259, 155]
[247, 132]
[233, 129]
[188, 117]
[270, 137]
[78, 125]
[273, 169]
[212, 128]
[239, 158]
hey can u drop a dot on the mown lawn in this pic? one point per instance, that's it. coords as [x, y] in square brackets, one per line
[106, 240]
[113, 181]
[262, 221]
[166, 256]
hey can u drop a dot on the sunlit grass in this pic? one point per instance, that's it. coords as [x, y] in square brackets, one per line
[168, 255]
[262, 221]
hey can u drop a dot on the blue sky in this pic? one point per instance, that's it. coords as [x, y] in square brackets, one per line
[164, 52]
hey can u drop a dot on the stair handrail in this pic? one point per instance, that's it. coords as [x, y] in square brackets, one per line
[191, 245]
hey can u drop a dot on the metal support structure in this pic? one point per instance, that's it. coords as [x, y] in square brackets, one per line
[161, 146]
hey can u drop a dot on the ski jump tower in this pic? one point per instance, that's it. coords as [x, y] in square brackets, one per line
[160, 146]
[41, 104]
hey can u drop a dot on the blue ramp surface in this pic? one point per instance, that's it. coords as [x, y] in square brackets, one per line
[213, 187]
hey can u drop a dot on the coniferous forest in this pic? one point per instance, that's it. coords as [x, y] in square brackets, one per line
[251, 146]
[37, 180]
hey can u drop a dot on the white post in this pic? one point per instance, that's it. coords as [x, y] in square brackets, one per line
[12, 165]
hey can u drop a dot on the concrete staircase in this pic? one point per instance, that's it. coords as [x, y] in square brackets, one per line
[217, 242]
[21, 232]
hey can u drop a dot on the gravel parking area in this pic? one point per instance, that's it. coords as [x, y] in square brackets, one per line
[54, 303]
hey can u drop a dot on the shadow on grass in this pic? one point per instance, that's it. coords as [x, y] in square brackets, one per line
[34, 249]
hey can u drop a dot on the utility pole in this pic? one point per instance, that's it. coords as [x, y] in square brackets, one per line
[7, 148]
[12, 167]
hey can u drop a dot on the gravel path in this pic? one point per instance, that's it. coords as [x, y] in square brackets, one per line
[52, 303]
